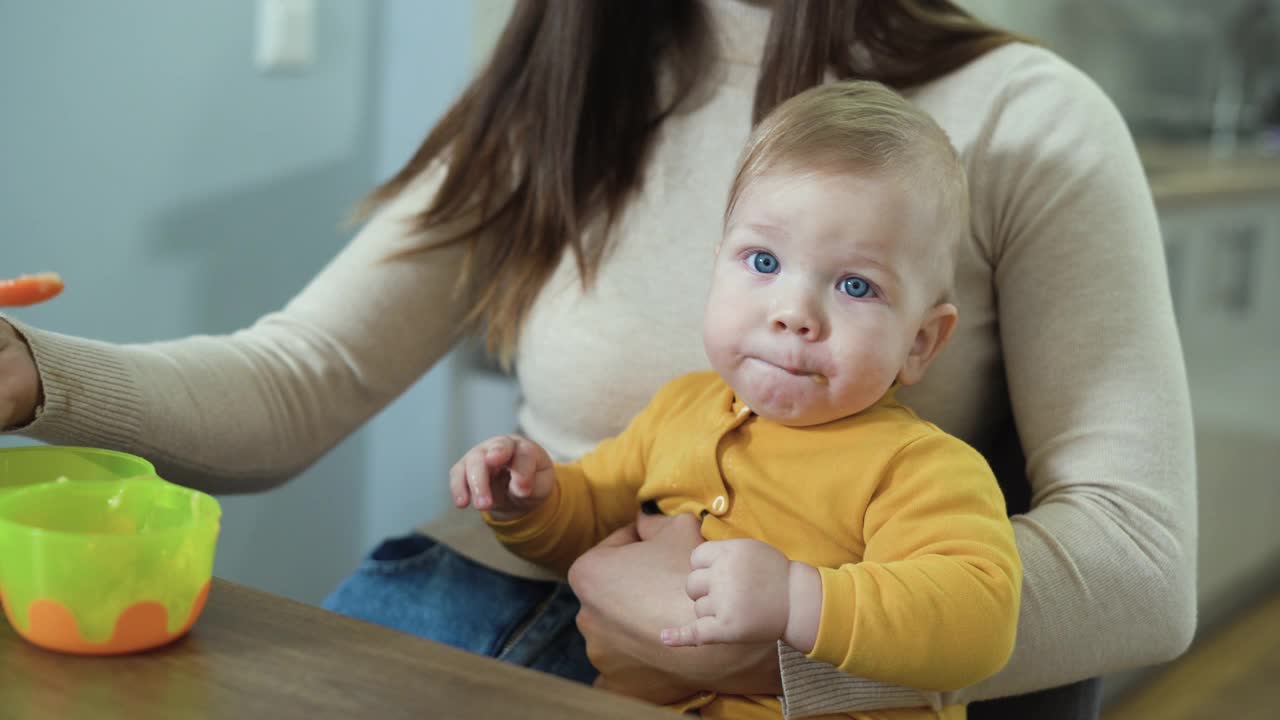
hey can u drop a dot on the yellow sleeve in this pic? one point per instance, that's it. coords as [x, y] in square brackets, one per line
[934, 604]
[594, 495]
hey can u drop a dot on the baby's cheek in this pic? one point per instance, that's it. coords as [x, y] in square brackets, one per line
[718, 352]
[865, 380]
[720, 333]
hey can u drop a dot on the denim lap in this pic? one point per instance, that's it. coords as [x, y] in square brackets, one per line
[418, 586]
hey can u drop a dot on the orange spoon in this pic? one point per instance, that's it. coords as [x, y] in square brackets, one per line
[29, 289]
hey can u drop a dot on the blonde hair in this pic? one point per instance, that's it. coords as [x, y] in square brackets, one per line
[865, 127]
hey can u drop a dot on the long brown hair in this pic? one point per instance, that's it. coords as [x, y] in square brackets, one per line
[554, 133]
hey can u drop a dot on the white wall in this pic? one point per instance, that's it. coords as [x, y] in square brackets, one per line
[424, 55]
[181, 191]
[489, 18]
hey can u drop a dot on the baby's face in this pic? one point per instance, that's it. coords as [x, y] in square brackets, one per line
[821, 284]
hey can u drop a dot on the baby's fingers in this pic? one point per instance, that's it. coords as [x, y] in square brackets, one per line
[523, 467]
[475, 467]
[532, 474]
[698, 584]
[702, 631]
[482, 464]
[499, 451]
[458, 484]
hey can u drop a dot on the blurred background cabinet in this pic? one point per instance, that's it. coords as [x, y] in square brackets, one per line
[1224, 265]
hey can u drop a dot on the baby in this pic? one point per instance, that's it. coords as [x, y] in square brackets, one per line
[837, 520]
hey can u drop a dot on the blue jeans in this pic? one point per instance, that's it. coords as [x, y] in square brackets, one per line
[418, 586]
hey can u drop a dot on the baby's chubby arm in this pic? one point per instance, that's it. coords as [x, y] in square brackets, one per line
[507, 475]
[552, 513]
[932, 604]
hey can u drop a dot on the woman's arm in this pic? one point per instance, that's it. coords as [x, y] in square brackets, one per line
[249, 410]
[1099, 396]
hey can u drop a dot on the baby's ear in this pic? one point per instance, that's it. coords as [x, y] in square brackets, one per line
[933, 335]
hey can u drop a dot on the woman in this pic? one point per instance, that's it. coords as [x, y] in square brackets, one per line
[567, 206]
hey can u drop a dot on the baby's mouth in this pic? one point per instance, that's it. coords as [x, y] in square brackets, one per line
[817, 377]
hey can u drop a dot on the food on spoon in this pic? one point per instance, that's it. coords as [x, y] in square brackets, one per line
[29, 289]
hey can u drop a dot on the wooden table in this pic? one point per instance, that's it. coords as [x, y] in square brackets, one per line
[254, 655]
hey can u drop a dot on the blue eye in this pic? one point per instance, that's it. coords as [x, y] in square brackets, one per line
[764, 262]
[855, 287]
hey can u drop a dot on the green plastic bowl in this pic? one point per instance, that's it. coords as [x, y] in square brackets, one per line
[20, 467]
[107, 561]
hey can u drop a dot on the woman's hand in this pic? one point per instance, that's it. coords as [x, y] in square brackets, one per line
[19, 379]
[630, 590]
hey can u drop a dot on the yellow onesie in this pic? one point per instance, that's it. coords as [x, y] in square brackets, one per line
[906, 524]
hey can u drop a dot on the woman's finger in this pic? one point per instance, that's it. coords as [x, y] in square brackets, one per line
[649, 526]
[684, 528]
[622, 536]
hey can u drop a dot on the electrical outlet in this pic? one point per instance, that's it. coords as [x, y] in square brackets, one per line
[285, 35]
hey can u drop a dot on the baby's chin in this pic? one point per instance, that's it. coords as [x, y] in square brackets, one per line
[797, 417]
[791, 408]
[803, 402]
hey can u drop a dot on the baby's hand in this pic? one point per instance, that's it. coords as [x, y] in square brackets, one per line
[506, 475]
[740, 592]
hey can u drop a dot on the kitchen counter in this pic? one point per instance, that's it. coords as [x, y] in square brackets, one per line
[1189, 175]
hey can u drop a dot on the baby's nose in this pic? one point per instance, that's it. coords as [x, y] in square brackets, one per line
[798, 320]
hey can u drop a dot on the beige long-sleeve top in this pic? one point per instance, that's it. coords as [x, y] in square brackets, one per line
[1065, 368]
